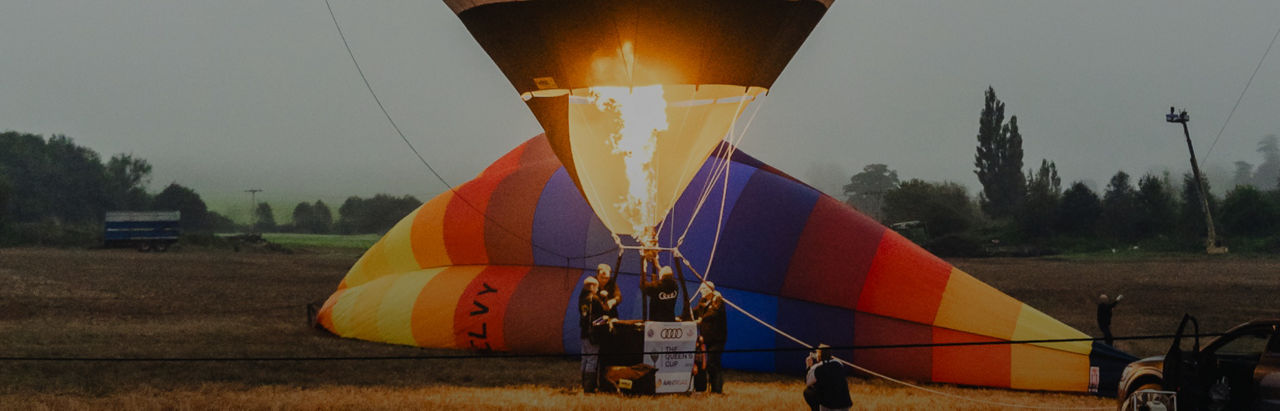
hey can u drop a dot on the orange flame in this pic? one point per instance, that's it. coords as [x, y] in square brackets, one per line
[642, 115]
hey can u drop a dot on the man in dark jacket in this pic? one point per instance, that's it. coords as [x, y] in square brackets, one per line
[714, 329]
[591, 316]
[826, 387]
[1105, 305]
[663, 293]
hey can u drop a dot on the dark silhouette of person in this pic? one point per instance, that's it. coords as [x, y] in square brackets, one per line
[1105, 305]
[591, 316]
[825, 385]
[714, 330]
[663, 293]
[700, 366]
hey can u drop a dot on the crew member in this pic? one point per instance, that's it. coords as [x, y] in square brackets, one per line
[663, 293]
[825, 384]
[1105, 305]
[609, 293]
[591, 316]
[713, 328]
[700, 366]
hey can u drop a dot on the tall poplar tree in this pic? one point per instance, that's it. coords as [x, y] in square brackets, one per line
[998, 161]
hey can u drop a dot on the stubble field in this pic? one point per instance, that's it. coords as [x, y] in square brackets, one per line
[190, 303]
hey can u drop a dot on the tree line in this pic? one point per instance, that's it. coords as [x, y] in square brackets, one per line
[1030, 211]
[356, 215]
[53, 191]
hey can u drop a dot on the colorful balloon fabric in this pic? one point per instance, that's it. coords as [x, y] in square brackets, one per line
[498, 264]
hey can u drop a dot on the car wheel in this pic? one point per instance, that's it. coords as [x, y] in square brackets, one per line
[144, 246]
[161, 246]
[1127, 405]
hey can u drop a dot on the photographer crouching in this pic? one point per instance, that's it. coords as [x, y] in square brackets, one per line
[825, 384]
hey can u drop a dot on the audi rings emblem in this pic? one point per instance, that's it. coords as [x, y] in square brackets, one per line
[672, 333]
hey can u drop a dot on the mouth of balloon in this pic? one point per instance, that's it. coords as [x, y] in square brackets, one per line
[635, 149]
[582, 95]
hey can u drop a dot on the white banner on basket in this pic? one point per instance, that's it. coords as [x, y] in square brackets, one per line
[675, 371]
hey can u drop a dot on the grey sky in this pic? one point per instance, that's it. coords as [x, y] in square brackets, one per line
[227, 95]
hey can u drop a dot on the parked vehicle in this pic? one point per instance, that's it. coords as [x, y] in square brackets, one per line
[144, 230]
[1239, 370]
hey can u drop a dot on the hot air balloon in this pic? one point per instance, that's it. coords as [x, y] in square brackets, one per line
[497, 264]
[634, 95]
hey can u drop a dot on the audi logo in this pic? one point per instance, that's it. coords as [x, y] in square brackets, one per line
[671, 333]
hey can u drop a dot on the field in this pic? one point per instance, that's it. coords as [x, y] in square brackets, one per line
[216, 303]
[1221, 291]
[322, 241]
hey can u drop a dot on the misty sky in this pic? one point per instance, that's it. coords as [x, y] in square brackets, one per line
[227, 95]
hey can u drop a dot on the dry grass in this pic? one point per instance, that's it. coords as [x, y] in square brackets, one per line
[739, 395]
[120, 303]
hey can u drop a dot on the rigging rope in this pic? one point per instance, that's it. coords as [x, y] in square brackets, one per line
[1246, 88]
[491, 354]
[728, 163]
[719, 169]
[422, 159]
[720, 160]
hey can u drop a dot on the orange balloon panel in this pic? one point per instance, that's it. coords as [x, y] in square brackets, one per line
[986, 365]
[434, 306]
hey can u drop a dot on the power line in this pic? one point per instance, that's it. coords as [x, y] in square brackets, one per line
[499, 355]
[1246, 88]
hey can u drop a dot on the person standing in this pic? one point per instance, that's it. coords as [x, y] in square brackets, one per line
[1105, 305]
[825, 385]
[609, 293]
[713, 328]
[700, 366]
[663, 293]
[591, 313]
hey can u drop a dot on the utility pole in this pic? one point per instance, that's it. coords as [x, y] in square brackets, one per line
[253, 208]
[1211, 243]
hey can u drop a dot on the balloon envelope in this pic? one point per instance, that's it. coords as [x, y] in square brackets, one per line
[506, 278]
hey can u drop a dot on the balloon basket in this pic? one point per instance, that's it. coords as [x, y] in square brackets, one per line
[622, 364]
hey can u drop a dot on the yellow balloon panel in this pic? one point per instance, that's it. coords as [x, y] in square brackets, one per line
[636, 149]
[1036, 325]
[392, 253]
[359, 304]
[975, 307]
[395, 312]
